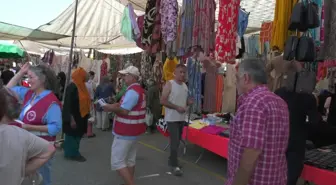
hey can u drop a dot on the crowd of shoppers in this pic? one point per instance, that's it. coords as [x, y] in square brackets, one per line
[267, 134]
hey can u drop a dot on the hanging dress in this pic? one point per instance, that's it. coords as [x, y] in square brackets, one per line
[219, 91]
[227, 30]
[204, 25]
[157, 73]
[210, 87]
[187, 22]
[149, 22]
[146, 70]
[282, 13]
[168, 11]
[229, 93]
[195, 83]
[156, 42]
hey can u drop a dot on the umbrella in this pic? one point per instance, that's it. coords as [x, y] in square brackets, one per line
[10, 51]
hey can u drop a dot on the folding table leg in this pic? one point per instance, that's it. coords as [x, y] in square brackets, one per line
[184, 147]
[167, 146]
[182, 142]
[200, 156]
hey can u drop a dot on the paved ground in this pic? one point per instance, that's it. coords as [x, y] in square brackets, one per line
[151, 164]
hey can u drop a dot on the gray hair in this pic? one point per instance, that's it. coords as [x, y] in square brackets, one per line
[47, 76]
[255, 68]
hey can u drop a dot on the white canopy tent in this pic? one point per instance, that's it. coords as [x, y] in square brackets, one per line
[99, 22]
[40, 48]
[98, 26]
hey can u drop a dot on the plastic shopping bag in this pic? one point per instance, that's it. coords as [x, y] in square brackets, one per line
[149, 118]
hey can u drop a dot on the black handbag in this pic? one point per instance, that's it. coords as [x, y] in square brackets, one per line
[300, 82]
[312, 19]
[298, 18]
[305, 51]
[290, 48]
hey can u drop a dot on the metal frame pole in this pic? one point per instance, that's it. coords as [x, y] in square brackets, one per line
[71, 48]
[71, 54]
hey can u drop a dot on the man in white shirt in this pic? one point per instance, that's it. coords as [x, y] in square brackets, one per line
[91, 86]
[175, 99]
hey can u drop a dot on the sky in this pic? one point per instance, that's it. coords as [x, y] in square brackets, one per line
[31, 13]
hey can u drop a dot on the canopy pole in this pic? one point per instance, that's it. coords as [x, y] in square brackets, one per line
[71, 49]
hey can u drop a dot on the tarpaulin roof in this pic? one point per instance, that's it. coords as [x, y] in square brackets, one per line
[40, 48]
[260, 10]
[13, 32]
[98, 25]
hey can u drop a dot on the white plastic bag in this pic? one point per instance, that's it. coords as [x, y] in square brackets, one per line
[149, 118]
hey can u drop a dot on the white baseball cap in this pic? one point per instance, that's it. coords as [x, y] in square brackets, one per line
[131, 70]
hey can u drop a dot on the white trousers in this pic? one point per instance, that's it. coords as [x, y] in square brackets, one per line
[102, 120]
[123, 153]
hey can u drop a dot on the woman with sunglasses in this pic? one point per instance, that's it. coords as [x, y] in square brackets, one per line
[41, 110]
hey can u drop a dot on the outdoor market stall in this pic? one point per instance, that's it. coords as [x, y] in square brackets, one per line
[212, 142]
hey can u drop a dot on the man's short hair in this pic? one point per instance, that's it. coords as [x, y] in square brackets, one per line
[255, 68]
[92, 73]
[180, 66]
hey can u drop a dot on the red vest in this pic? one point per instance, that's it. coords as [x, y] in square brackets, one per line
[134, 123]
[35, 115]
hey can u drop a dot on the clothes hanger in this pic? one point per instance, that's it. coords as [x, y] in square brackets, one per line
[243, 9]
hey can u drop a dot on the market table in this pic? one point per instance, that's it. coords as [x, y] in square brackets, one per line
[212, 142]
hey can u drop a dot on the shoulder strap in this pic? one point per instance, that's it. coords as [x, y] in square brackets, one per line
[28, 96]
[295, 80]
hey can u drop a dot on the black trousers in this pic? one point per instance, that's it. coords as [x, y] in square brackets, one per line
[175, 130]
[295, 159]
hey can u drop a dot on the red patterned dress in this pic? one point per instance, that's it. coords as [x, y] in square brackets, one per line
[227, 30]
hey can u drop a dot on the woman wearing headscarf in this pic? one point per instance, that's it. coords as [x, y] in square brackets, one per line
[22, 153]
[104, 91]
[41, 109]
[76, 110]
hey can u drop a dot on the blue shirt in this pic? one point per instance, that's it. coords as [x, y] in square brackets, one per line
[130, 100]
[242, 22]
[53, 117]
[104, 91]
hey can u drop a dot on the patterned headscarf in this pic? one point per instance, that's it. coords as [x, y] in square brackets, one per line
[79, 77]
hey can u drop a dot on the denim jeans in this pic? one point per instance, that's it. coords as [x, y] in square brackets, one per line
[45, 171]
[175, 130]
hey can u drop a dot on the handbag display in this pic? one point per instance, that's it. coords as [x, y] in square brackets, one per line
[312, 15]
[305, 51]
[290, 48]
[298, 18]
[300, 82]
[304, 16]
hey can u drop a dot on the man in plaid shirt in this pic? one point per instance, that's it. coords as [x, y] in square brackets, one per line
[259, 132]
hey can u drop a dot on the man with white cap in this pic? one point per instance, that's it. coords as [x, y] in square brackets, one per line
[129, 123]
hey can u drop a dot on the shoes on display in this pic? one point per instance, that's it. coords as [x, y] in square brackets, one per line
[324, 158]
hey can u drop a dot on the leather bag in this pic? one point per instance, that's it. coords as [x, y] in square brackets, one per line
[305, 51]
[312, 15]
[300, 82]
[290, 48]
[298, 18]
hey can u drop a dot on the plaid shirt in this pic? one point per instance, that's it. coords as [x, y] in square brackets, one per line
[261, 122]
